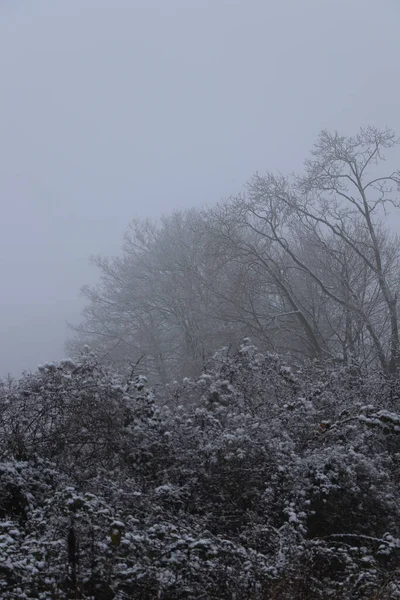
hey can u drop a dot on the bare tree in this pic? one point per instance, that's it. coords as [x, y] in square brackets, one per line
[278, 314]
[158, 300]
[340, 205]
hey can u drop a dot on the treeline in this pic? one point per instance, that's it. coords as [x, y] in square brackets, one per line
[305, 265]
[179, 460]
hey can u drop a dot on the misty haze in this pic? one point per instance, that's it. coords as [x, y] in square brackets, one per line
[199, 324]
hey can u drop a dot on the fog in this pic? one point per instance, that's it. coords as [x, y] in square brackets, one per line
[116, 110]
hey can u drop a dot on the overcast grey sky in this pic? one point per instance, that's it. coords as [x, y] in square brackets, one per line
[115, 109]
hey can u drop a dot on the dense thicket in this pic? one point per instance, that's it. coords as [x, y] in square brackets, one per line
[253, 481]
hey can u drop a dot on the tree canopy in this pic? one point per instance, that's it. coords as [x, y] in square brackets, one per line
[305, 264]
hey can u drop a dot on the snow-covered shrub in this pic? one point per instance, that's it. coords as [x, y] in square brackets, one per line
[257, 480]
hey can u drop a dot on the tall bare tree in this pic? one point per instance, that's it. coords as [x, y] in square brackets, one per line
[339, 204]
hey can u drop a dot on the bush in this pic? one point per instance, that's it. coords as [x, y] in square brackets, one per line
[256, 480]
